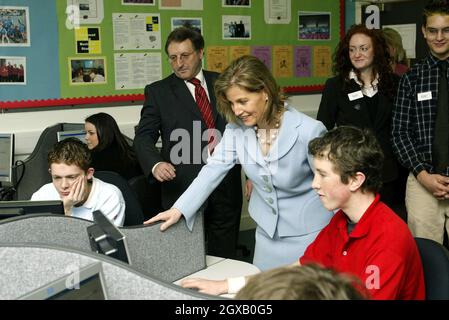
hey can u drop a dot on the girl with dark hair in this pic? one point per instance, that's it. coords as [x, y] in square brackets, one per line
[362, 94]
[110, 150]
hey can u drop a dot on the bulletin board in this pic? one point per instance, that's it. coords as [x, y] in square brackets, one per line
[392, 15]
[105, 51]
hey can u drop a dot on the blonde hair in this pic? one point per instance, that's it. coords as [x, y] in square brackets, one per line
[252, 75]
[394, 39]
[308, 282]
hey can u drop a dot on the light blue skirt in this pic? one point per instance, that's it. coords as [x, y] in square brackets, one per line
[279, 251]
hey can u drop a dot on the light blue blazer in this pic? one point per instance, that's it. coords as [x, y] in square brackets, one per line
[282, 199]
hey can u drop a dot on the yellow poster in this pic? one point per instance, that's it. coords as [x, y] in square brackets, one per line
[238, 51]
[283, 61]
[88, 40]
[322, 61]
[217, 58]
[152, 23]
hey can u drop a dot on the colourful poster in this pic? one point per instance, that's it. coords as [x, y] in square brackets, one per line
[88, 40]
[181, 4]
[238, 51]
[283, 61]
[322, 62]
[217, 58]
[263, 53]
[303, 61]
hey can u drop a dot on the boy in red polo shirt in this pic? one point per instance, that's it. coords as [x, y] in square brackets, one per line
[365, 238]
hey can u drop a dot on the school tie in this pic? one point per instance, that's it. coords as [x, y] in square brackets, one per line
[206, 110]
[440, 150]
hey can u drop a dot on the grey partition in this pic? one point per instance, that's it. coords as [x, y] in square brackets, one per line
[25, 268]
[168, 255]
[46, 229]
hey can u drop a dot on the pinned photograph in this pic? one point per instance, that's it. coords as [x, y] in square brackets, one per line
[14, 26]
[87, 71]
[237, 3]
[314, 25]
[236, 27]
[138, 2]
[192, 23]
[12, 70]
[84, 12]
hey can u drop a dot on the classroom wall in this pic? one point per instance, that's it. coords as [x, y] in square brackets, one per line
[28, 125]
[69, 55]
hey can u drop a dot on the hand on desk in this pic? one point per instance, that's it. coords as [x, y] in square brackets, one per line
[170, 217]
[214, 287]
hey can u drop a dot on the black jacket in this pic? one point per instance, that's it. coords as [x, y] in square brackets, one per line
[168, 106]
[336, 109]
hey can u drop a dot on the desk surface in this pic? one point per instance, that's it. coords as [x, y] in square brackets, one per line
[210, 260]
[220, 268]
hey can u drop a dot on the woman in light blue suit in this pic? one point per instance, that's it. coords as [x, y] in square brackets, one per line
[269, 139]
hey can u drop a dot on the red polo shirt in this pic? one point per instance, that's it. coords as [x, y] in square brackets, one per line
[380, 251]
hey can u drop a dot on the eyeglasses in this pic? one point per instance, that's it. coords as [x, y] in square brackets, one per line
[433, 33]
[183, 57]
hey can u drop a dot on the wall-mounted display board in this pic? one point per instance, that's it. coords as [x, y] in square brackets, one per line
[408, 25]
[72, 52]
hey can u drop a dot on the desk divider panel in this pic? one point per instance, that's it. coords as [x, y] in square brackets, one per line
[25, 268]
[168, 255]
[46, 229]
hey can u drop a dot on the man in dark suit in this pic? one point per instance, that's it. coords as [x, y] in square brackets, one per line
[174, 111]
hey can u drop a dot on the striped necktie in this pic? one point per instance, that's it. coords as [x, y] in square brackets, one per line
[205, 108]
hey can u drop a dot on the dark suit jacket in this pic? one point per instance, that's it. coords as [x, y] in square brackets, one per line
[336, 110]
[168, 106]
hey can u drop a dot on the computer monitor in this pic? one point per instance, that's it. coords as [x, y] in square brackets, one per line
[86, 283]
[6, 157]
[106, 238]
[18, 208]
[79, 134]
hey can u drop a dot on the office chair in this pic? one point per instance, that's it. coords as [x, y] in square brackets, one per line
[133, 211]
[435, 260]
[148, 193]
[33, 171]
